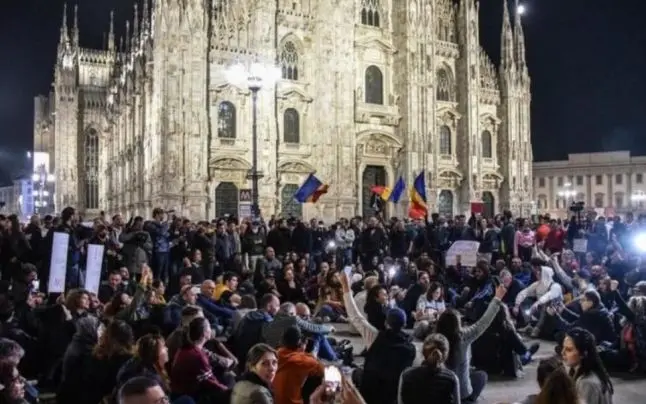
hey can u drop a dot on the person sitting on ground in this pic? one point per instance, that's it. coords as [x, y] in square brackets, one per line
[388, 352]
[545, 368]
[295, 366]
[432, 381]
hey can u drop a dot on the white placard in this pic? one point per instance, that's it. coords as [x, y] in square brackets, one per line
[580, 245]
[93, 267]
[58, 264]
[467, 250]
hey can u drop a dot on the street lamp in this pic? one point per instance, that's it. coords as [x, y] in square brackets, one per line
[639, 197]
[254, 78]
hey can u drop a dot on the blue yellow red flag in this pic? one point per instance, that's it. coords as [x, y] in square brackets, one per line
[418, 208]
[311, 190]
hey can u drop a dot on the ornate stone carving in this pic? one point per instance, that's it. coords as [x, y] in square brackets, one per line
[295, 167]
[229, 164]
[377, 147]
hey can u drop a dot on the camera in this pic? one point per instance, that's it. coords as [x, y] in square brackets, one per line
[577, 207]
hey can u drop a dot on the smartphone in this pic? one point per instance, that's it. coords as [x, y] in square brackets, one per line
[348, 271]
[35, 285]
[332, 379]
[496, 281]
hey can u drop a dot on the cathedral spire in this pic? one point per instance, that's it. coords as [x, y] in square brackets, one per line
[64, 33]
[519, 36]
[507, 40]
[145, 19]
[127, 50]
[111, 33]
[75, 30]
[135, 27]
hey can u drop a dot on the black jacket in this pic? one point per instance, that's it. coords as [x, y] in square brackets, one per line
[423, 384]
[597, 321]
[386, 359]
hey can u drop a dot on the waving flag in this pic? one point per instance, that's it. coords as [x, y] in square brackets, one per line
[418, 208]
[390, 195]
[311, 190]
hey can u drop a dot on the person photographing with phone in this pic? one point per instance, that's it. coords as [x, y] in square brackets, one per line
[388, 352]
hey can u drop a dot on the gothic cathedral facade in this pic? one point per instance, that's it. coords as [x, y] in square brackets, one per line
[369, 92]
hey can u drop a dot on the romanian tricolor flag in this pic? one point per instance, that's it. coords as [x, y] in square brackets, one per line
[311, 190]
[418, 208]
[387, 194]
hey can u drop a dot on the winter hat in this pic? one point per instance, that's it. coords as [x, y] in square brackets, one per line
[396, 319]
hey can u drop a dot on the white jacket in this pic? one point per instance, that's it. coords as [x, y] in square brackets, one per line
[545, 290]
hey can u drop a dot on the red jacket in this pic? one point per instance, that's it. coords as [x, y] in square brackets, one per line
[555, 240]
[191, 373]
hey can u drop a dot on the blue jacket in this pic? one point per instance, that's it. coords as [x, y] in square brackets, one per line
[215, 309]
[160, 235]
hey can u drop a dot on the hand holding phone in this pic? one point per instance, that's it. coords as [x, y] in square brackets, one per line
[332, 379]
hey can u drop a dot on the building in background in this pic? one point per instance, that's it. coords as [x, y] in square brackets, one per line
[7, 204]
[24, 205]
[44, 184]
[155, 121]
[18, 199]
[609, 182]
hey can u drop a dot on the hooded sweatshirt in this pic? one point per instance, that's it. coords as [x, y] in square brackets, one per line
[544, 290]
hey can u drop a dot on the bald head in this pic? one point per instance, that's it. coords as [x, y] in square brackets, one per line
[302, 310]
[208, 288]
[287, 308]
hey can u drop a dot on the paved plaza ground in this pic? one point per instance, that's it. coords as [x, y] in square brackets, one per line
[509, 391]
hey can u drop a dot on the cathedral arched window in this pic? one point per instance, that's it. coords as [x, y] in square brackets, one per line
[444, 87]
[227, 120]
[487, 147]
[374, 82]
[370, 13]
[445, 140]
[289, 61]
[291, 126]
[91, 151]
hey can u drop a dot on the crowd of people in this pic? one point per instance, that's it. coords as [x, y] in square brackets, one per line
[245, 312]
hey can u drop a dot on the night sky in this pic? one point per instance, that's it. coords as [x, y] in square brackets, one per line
[587, 59]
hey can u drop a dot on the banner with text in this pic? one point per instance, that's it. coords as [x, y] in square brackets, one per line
[93, 267]
[58, 264]
[467, 250]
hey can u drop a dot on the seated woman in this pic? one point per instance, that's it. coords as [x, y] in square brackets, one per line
[290, 288]
[472, 383]
[330, 306]
[376, 306]
[191, 372]
[431, 382]
[112, 351]
[594, 318]
[255, 384]
[584, 366]
[150, 359]
[429, 307]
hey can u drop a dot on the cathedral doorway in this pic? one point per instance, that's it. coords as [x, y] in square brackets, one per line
[289, 207]
[226, 199]
[445, 204]
[372, 175]
[489, 204]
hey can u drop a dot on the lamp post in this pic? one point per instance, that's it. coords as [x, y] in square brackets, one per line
[254, 78]
[639, 197]
[567, 193]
